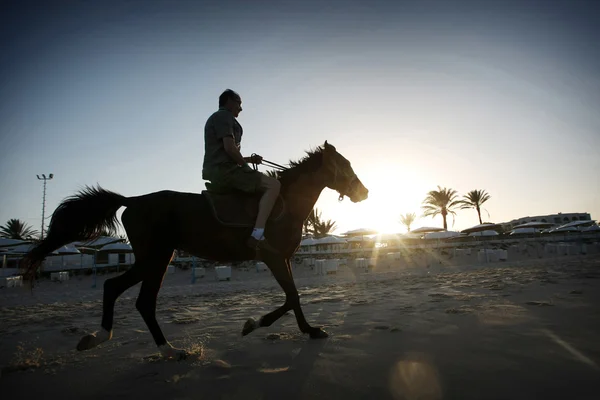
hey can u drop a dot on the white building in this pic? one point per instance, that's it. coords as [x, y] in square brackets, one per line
[557, 219]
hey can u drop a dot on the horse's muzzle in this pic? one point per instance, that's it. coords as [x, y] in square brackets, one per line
[358, 192]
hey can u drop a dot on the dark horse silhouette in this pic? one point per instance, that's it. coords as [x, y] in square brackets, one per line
[195, 223]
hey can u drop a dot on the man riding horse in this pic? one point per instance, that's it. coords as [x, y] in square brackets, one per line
[215, 224]
[227, 169]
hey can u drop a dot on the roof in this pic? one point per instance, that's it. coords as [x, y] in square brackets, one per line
[117, 248]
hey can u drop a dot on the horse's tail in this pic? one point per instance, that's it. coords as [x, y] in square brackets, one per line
[81, 217]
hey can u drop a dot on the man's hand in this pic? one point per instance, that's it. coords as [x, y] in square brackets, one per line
[254, 159]
[247, 168]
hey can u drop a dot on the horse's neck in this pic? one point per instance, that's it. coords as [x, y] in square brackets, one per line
[301, 195]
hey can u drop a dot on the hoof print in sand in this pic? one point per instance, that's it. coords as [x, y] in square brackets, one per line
[153, 358]
[461, 310]
[185, 320]
[70, 330]
[381, 327]
[277, 336]
[440, 295]
[539, 303]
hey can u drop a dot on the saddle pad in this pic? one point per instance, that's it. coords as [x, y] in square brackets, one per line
[239, 210]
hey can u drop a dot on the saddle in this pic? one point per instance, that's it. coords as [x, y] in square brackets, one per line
[235, 208]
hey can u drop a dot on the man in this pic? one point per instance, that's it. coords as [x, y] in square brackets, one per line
[225, 166]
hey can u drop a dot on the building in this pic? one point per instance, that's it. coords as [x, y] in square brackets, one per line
[557, 219]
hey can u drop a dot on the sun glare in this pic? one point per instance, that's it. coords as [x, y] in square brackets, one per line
[393, 190]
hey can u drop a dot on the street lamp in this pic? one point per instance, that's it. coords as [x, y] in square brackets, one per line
[44, 178]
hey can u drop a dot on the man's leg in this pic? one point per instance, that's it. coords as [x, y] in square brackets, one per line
[271, 187]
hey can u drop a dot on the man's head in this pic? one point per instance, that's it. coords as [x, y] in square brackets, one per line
[231, 101]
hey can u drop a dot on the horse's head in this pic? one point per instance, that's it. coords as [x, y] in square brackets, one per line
[340, 176]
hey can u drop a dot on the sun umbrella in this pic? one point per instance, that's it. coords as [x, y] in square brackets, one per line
[441, 235]
[24, 249]
[487, 232]
[4, 242]
[489, 229]
[329, 240]
[99, 242]
[517, 231]
[360, 239]
[94, 246]
[565, 229]
[308, 242]
[426, 229]
[593, 228]
[540, 225]
[360, 232]
[21, 250]
[117, 248]
[483, 227]
[66, 251]
[574, 224]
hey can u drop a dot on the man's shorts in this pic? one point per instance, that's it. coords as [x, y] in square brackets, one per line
[230, 176]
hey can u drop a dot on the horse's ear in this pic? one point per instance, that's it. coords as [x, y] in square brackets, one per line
[328, 153]
[328, 147]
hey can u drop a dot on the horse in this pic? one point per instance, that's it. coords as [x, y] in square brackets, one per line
[212, 225]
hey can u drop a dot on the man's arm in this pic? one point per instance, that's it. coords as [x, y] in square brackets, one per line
[232, 150]
[223, 125]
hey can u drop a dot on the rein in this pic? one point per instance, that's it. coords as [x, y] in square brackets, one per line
[268, 164]
[282, 168]
[273, 165]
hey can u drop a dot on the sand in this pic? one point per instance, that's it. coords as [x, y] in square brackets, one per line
[526, 330]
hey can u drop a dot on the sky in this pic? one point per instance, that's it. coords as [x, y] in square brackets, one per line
[494, 95]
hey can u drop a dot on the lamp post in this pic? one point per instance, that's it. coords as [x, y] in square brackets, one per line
[44, 178]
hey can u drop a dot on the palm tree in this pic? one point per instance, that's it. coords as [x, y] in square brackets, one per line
[313, 221]
[316, 226]
[314, 218]
[17, 229]
[272, 173]
[441, 201]
[324, 228]
[407, 220]
[474, 199]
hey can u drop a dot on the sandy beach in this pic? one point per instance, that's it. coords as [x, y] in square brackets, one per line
[525, 330]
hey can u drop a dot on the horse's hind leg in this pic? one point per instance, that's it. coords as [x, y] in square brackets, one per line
[113, 288]
[146, 305]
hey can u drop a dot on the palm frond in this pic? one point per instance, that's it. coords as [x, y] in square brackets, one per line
[17, 229]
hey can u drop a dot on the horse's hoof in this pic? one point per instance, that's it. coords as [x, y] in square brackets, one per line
[249, 326]
[172, 353]
[318, 333]
[87, 342]
[180, 355]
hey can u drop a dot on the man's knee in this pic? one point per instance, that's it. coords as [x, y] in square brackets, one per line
[270, 184]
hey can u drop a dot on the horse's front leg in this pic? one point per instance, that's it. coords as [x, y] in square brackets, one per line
[283, 274]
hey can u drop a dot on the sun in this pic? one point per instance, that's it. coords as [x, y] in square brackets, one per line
[392, 191]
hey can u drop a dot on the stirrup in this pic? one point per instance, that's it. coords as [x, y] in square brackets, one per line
[259, 245]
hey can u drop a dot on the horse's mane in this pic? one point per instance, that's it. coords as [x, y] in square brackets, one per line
[306, 164]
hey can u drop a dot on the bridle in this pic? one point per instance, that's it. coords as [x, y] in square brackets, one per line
[343, 192]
